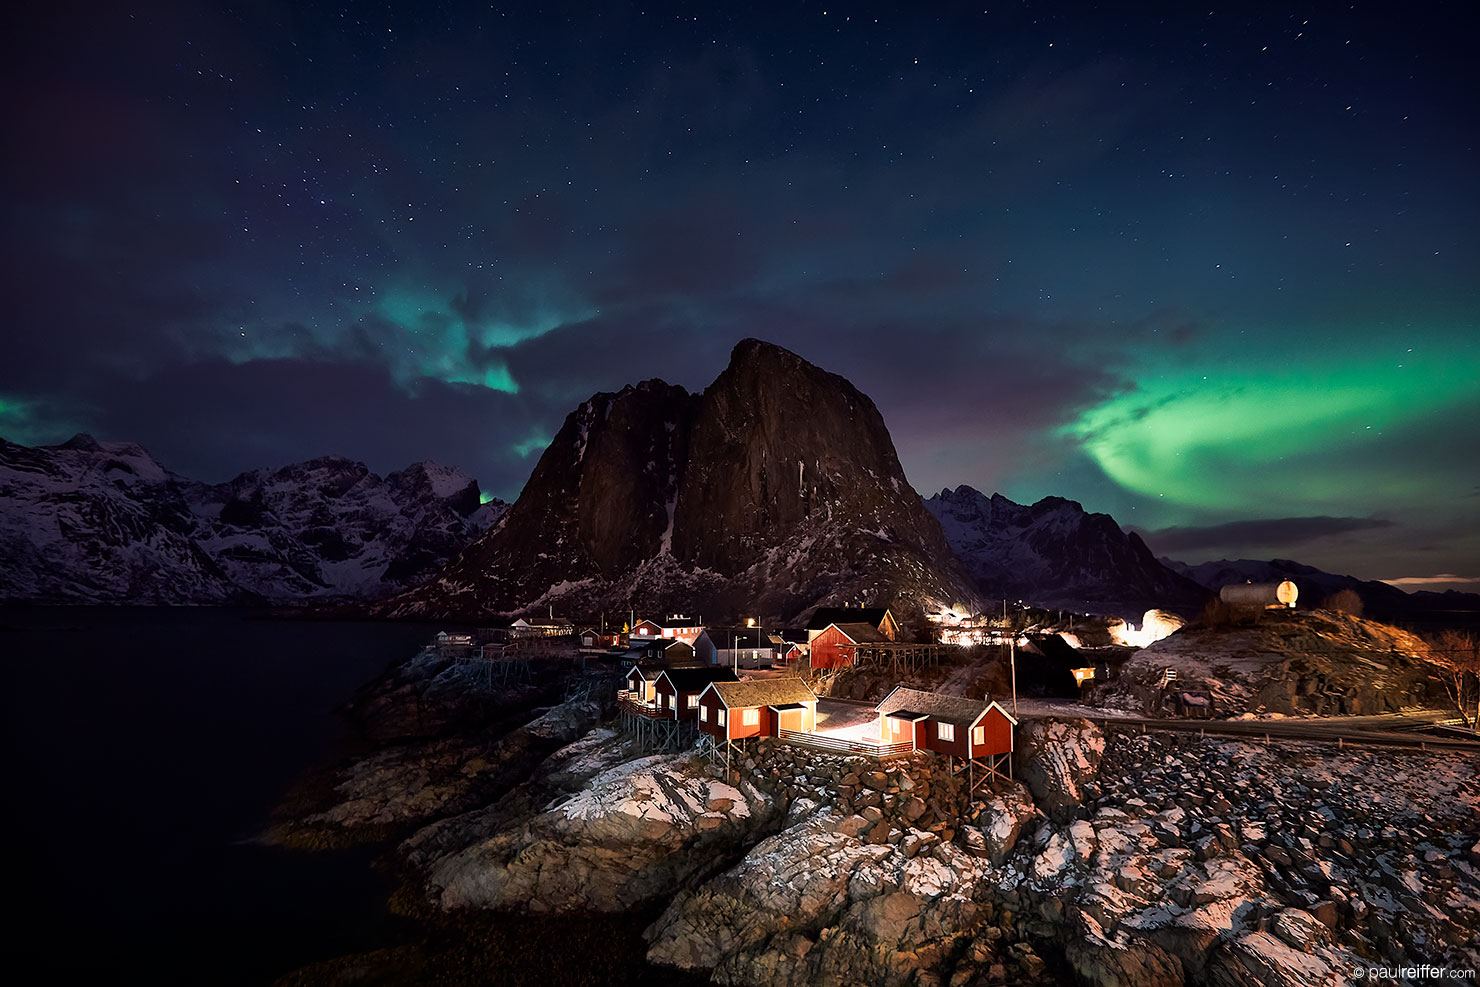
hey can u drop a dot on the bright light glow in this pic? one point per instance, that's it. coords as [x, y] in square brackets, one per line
[1155, 626]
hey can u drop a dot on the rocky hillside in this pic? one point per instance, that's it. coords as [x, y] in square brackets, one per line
[1055, 554]
[1285, 661]
[1115, 860]
[103, 522]
[776, 489]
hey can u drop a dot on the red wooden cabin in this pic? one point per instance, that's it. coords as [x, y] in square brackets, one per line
[756, 708]
[970, 729]
[879, 618]
[641, 679]
[677, 689]
[836, 645]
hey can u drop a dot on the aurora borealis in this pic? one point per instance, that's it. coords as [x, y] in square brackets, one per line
[1211, 271]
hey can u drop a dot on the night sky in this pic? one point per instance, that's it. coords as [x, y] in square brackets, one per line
[1213, 271]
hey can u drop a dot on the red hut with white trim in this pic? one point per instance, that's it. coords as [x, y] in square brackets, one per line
[677, 689]
[976, 732]
[837, 645]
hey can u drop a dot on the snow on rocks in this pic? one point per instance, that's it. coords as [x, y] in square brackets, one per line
[1058, 759]
[639, 830]
[818, 903]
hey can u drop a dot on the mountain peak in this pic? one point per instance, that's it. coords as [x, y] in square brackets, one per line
[81, 442]
[775, 488]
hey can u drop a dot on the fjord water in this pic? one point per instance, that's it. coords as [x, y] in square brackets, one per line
[145, 749]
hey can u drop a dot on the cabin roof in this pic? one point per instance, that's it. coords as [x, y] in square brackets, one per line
[860, 633]
[937, 706]
[694, 679]
[737, 637]
[762, 692]
[823, 616]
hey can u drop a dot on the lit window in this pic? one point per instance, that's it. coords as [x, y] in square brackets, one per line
[895, 726]
[752, 717]
[693, 701]
[719, 717]
[979, 736]
[703, 714]
[945, 731]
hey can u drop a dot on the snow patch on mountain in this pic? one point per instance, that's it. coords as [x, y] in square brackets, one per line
[103, 522]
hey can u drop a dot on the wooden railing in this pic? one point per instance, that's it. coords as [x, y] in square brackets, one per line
[628, 702]
[838, 745]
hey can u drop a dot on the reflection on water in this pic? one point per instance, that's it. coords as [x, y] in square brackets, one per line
[142, 747]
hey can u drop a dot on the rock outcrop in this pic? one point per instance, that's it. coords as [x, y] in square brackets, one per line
[637, 831]
[1292, 662]
[1059, 760]
[778, 486]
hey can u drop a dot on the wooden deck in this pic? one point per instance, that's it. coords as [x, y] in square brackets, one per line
[839, 745]
[627, 702]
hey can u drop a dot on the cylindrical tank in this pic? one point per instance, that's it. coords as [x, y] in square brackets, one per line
[1281, 594]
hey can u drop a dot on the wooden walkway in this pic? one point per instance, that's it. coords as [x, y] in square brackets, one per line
[838, 745]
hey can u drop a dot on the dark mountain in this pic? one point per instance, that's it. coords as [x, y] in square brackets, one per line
[776, 489]
[1378, 598]
[103, 522]
[1054, 554]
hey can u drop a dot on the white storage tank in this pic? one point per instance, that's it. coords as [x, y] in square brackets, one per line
[1251, 595]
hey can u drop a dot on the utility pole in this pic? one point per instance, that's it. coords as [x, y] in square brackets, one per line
[1014, 675]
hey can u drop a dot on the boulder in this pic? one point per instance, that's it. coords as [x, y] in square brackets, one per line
[1057, 759]
[638, 831]
[1260, 958]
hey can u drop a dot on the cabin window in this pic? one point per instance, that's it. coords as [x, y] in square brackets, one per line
[703, 714]
[979, 737]
[751, 718]
[693, 701]
[945, 731]
[895, 727]
[719, 717]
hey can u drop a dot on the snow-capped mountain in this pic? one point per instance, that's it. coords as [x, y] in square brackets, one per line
[1055, 554]
[775, 490]
[103, 522]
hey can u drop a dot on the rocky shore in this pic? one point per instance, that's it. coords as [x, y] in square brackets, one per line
[1111, 859]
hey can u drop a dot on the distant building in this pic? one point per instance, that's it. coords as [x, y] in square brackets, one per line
[593, 639]
[667, 651]
[551, 627]
[674, 626]
[736, 647]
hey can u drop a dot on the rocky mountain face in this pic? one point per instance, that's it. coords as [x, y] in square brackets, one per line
[776, 489]
[1055, 554]
[103, 522]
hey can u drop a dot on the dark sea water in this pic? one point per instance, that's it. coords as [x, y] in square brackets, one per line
[143, 747]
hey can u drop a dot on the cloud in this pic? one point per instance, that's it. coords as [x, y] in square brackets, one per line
[1261, 533]
[1424, 582]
